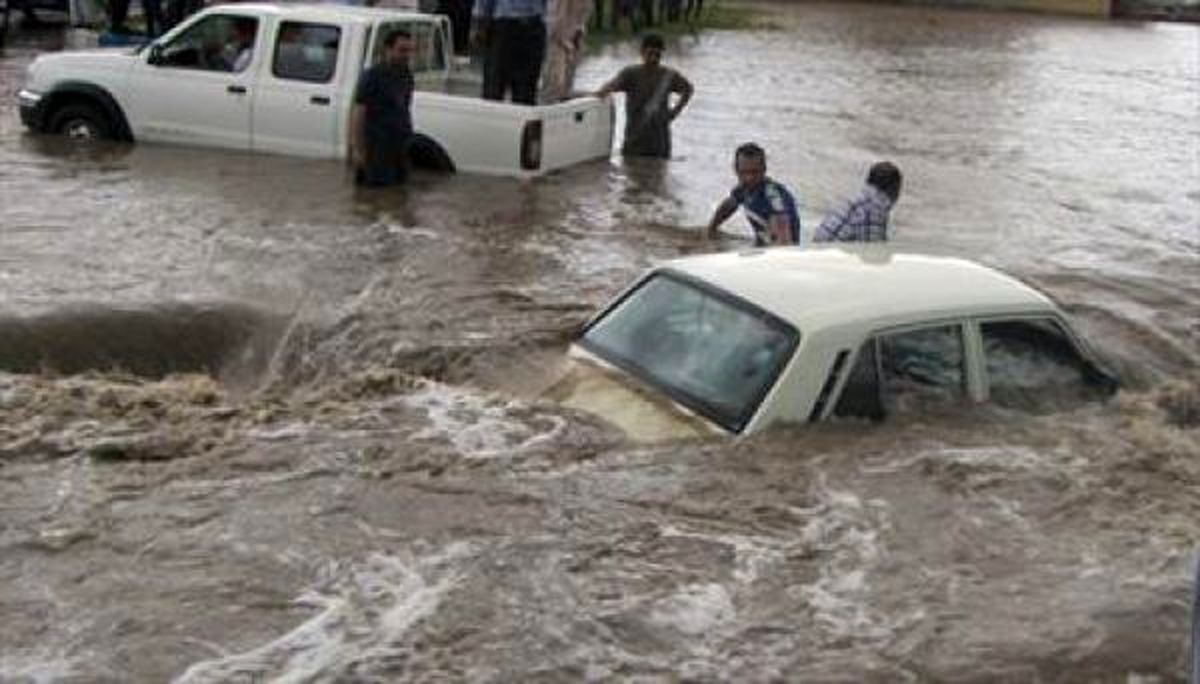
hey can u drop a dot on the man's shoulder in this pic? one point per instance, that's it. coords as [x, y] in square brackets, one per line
[773, 188]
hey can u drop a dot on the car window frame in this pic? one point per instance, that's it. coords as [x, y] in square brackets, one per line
[733, 424]
[1081, 349]
[971, 354]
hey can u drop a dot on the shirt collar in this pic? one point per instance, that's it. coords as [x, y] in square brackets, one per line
[876, 196]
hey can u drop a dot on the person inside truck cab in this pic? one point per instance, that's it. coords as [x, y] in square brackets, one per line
[237, 47]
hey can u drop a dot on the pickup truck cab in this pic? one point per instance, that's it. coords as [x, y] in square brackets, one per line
[290, 87]
[734, 343]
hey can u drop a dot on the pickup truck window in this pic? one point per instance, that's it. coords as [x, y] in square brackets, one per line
[429, 52]
[708, 350]
[306, 52]
[219, 42]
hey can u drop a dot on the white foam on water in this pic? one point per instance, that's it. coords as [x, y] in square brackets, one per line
[288, 431]
[696, 609]
[365, 610]
[38, 668]
[752, 554]
[479, 427]
[846, 532]
[999, 457]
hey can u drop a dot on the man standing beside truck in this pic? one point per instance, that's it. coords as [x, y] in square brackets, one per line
[648, 110]
[381, 120]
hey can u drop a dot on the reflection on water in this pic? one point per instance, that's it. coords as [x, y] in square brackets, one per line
[384, 508]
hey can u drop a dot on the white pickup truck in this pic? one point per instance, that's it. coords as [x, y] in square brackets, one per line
[292, 91]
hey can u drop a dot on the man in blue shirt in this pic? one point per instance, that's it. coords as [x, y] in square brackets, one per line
[512, 36]
[769, 206]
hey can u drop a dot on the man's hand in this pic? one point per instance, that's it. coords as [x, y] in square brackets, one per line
[779, 230]
[358, 157]
[479, 35]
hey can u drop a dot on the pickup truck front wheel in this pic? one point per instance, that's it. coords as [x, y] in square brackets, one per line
[82, 123]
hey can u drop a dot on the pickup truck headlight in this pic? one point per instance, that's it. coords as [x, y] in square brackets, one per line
[28, 98]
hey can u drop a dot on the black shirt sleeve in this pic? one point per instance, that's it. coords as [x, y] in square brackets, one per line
[368, 85]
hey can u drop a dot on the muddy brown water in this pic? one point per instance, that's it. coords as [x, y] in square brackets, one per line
[258, 426]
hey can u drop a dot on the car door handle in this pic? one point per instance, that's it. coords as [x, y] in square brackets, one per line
[236, 89]
[319, 100]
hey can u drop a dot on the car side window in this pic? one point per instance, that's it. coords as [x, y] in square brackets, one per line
[922, 367]
[306, 52]
[218, 42]
[1033, 365]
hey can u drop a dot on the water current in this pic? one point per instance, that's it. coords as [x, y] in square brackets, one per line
[256, 425]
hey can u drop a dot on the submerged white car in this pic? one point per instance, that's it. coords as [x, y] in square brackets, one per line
[736, 342]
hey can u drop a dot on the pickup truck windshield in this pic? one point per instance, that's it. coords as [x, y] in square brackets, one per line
[708, 350]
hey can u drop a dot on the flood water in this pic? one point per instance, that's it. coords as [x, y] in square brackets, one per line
[256, 425]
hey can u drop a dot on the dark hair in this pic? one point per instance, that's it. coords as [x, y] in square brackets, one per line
[751, 150]
[653, 40]
[886, 177]
[391, 37]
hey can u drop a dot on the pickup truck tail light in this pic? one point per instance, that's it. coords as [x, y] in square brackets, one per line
[531, 145]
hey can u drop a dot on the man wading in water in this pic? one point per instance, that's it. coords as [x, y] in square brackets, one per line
[648, 111]
[381, 121]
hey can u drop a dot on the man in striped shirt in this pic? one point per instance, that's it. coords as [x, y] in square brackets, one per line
[768, 205]
[865, 218]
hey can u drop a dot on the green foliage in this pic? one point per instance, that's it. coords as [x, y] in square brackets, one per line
[717, 14]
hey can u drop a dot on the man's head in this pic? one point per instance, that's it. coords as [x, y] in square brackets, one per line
[750, 165]
[886, 178]
[652, 48]
[397, 46]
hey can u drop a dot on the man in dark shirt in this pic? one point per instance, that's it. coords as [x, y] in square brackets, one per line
[381, 121]
[768, 205]
[648, 110]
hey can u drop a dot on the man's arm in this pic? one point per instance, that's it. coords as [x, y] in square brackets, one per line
[609, 88]
[618, 84]
[723, 211]
[779, 229]
[831, 228]
[683, 88]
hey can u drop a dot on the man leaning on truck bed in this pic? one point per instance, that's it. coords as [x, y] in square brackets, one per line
[381, 121]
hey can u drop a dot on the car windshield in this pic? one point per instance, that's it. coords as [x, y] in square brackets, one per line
[710, 351]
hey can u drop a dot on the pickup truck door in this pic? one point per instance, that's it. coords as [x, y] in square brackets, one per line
[196, 87]
[297, 105]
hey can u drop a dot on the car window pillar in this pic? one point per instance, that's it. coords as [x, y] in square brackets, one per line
[974, 362]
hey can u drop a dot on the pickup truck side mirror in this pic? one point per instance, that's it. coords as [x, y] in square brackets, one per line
[156, 55]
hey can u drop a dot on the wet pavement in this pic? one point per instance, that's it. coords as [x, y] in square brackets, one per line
[259, 424]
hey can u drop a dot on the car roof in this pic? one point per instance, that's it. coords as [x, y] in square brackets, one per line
[323, 11]
[825, 287]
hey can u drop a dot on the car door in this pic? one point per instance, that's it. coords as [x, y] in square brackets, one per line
[197, 86]
[907, 371]
[298, 104]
